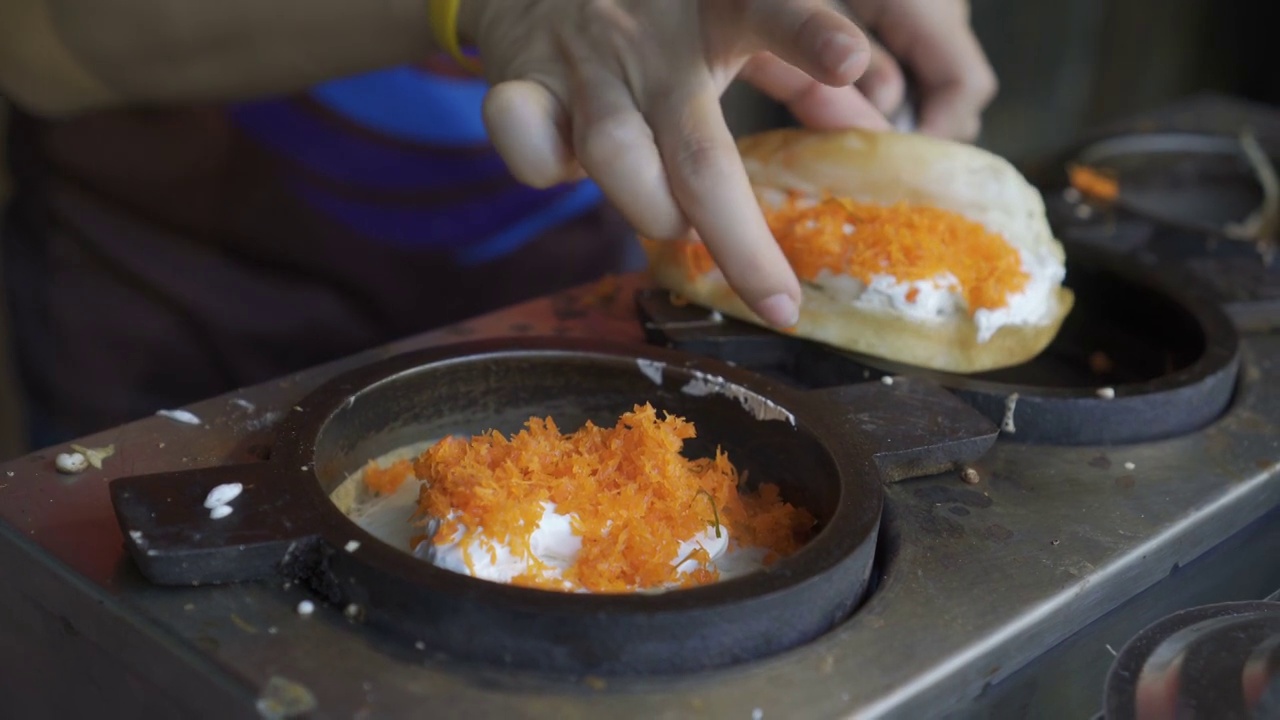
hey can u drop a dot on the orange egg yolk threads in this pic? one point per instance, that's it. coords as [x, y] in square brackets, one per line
[633, 496]
[907, 242]
[385, 481]
[1094, 183]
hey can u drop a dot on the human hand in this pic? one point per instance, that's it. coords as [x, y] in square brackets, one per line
[935, 41]
[932, 38]
[629, 91]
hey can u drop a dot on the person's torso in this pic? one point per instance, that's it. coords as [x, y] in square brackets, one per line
[251, 240]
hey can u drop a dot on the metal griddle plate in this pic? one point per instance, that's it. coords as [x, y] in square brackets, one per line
[1005, 594]
[830, 451]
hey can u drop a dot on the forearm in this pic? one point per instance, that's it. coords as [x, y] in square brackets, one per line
[60, 57]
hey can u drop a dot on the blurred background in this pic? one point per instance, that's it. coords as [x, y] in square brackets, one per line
[1064, 67]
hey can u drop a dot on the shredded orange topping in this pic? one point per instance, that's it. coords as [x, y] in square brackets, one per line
[634, 499]
[1094, 183]
[908, 242]
[385, 481]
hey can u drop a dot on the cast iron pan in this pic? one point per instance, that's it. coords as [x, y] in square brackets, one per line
[1178, 193]
[1145, 354]
[1217, 661]
[830, 451]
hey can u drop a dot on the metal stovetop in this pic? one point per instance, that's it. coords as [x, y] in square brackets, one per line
[1004, 598]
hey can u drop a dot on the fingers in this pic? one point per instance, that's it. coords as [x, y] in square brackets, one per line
[813, 104]
[883, 83]
[616, 147]
[710, 182]
[812, 36]
[956, 81]
[526, 125]
[954, 94]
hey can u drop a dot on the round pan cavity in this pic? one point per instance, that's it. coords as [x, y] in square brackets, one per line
[1188, 180]
[823, 449]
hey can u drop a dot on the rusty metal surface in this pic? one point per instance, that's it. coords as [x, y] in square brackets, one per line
[980, 580]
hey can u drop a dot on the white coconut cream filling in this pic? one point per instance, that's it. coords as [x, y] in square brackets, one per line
[940, 298]
[555, 544]
[1034, 304]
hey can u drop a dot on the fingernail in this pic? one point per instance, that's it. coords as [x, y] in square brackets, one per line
[779, 310]
[840, 53]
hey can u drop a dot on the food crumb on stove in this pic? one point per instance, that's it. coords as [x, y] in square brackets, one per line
[970, 476]
[305, 468]
[1107, 393]
[298, 408]
[1111, 649]
[1094, 182]
[306, 607]
[594, 682]
[71, 463]
[1010, 406]
[1084, 212]
[220, 512]
[1072, 195]
[9, 473]
[138, 539]
[420, 646]
[223, 494]
[352, 546]
[95, 456]
[243, 625]
[183, 416]
[352, 611]
[886, 380]
[1054, 542]
[273, 630]
[1129, 466]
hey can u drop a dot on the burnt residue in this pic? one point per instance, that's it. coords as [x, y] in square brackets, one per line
[282, 698]
[997, 533]
[934, 524]
[309, 564]
[259, 451]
